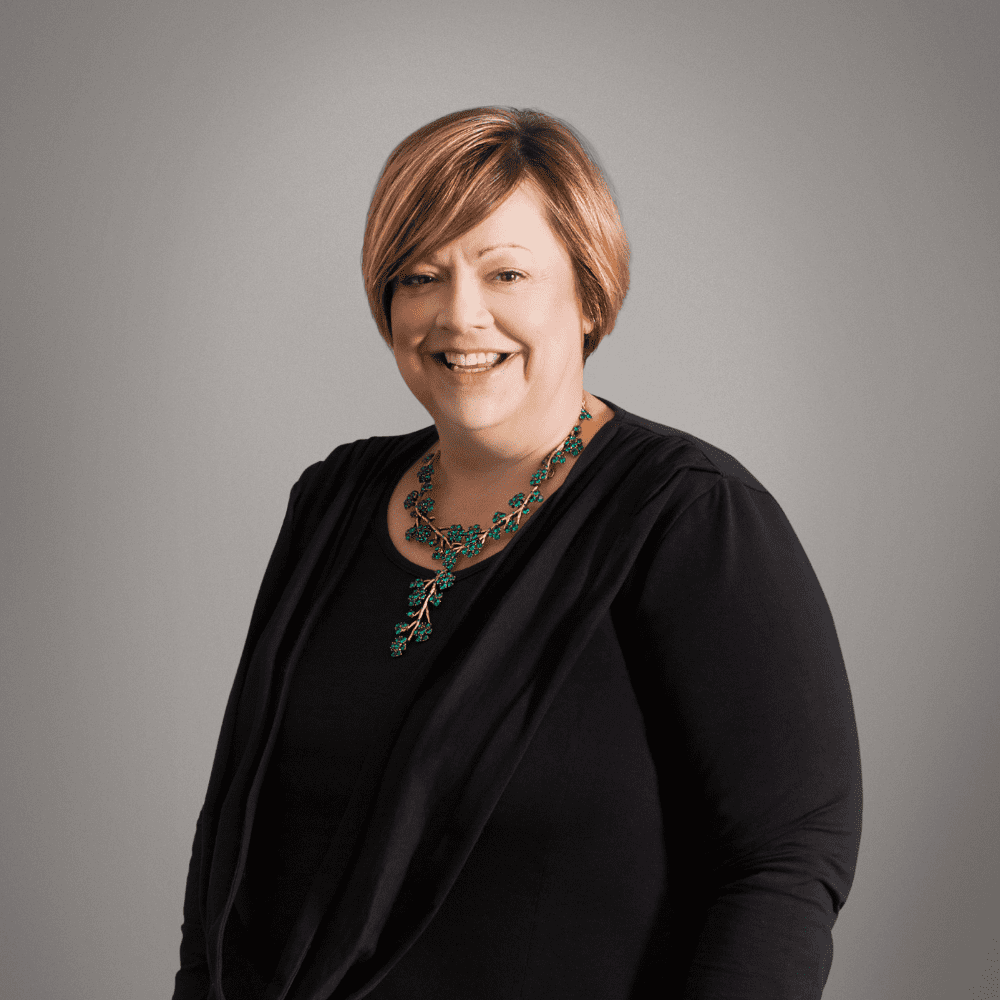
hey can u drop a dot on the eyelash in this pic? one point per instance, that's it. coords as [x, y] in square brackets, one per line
[407, 280]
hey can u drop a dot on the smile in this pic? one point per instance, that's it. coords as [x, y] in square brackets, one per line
[440, 359]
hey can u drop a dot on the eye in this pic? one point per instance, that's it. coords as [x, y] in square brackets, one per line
[509, 277]
[411, 280]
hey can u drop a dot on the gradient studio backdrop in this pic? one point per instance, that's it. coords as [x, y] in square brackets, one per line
[812, 195]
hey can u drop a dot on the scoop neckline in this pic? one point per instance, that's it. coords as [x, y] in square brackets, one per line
[382, 509]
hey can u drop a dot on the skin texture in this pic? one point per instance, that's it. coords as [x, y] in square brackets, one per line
[494, 429]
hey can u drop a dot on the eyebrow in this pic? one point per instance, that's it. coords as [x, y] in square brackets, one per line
[486, 250]
[499, 246]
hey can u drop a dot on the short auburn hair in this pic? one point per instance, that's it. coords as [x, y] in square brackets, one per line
[449, 175]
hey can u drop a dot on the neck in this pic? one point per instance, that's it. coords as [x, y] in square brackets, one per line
[484, 460]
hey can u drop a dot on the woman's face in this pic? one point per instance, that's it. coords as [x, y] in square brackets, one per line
[506, 287]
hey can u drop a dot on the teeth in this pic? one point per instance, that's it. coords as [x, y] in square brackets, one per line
[465, 360]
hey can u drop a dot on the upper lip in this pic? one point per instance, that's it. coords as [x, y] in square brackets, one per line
[471, 350]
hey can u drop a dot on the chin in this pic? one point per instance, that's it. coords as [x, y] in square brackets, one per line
[475, 414]
[482, 409]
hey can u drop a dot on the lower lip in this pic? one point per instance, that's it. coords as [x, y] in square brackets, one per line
[469, 376]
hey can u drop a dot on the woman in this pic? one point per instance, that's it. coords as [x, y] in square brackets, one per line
[543, 700]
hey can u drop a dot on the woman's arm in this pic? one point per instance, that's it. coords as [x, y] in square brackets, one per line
[752, 724]
[192, 980]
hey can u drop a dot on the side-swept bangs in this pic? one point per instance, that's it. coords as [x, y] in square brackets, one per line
[449, 175]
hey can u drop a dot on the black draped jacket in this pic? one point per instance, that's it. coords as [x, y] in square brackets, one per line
[660, 556]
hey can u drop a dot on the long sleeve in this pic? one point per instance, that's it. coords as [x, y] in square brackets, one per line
[753, 728]
[192, 981]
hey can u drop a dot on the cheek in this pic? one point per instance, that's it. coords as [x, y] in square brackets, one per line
[556, 321]
[529, 318]
[411, 318]
[397, 319]
[402, 330]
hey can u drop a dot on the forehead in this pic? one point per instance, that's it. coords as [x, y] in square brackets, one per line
[521, 219]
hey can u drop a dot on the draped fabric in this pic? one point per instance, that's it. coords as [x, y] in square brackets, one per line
[468, 714]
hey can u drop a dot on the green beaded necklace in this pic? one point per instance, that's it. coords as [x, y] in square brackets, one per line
[461, 542]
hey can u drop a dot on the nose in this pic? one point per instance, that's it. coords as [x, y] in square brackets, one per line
[463, 307]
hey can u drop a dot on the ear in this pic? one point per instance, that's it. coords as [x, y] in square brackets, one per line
[588, 324]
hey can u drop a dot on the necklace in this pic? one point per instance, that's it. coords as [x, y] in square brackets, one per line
[459, 541]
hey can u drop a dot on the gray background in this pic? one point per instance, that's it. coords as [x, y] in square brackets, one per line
[811, 193]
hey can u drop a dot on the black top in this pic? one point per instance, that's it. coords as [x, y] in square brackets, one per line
[674, 812]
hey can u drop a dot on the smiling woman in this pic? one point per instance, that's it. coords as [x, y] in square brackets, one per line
[622, 761]
[502, 279]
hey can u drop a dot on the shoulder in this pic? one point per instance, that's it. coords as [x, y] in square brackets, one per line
[699, 497]
[712, 514]
[676, 450]
[657, 466]
[353, 466]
